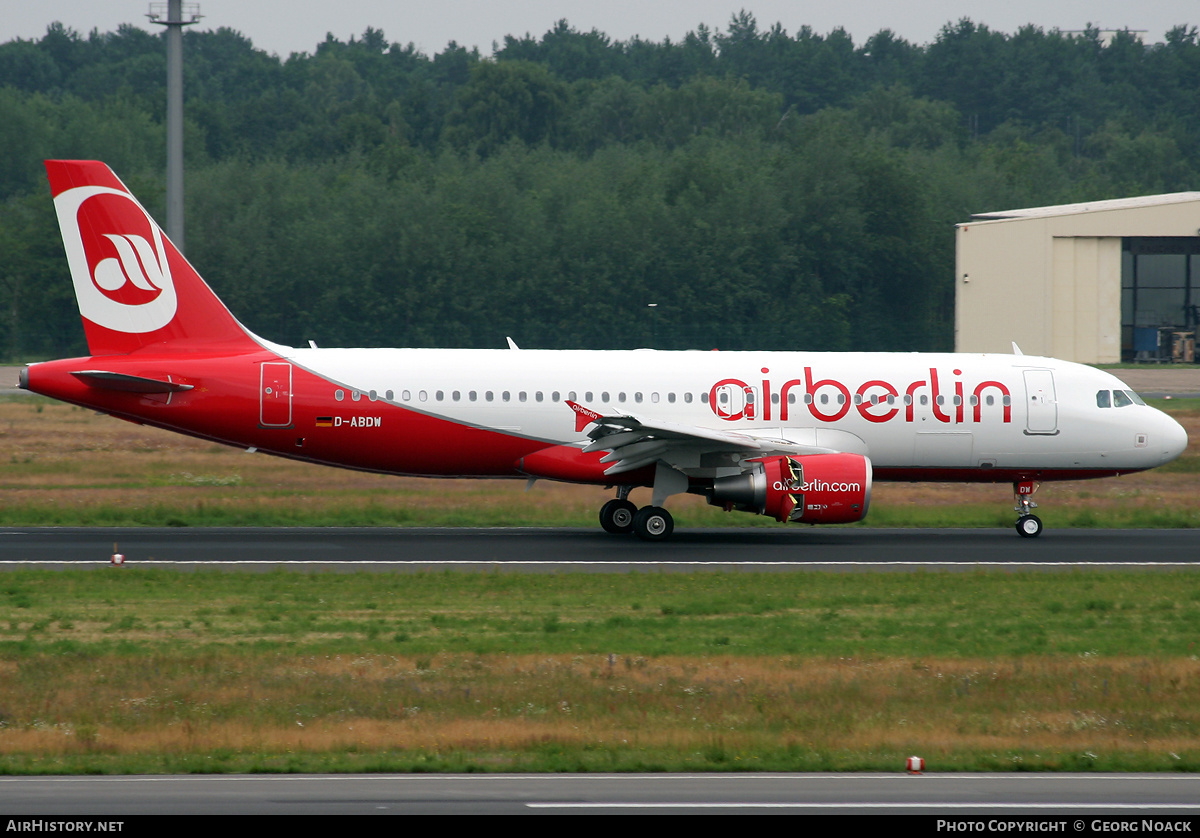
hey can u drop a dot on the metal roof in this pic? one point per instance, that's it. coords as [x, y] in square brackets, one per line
[1092, 206]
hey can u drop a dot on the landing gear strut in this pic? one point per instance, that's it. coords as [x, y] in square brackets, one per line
[1028, 524]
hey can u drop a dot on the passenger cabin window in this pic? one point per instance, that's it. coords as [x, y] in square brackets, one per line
[339, 394]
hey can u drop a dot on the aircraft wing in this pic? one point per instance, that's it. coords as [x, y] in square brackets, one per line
[634, 442]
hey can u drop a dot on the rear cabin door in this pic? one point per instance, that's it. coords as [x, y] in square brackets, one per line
[275, 396]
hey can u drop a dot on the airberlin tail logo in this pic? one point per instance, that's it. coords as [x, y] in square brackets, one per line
[118, 260]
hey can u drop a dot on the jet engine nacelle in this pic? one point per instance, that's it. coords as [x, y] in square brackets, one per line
[812, 489]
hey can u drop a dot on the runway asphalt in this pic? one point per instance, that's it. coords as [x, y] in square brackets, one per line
[591, 550]
[1085, 803]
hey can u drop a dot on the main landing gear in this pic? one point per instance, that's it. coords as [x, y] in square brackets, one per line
[1028, 524]
[620, 516]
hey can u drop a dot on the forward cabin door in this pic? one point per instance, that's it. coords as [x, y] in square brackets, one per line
[1040, 402]
[275, 396]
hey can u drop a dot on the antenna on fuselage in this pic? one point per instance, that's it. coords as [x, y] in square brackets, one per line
[1017, 349]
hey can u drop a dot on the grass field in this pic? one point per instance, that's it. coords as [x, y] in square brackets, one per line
[143, 670]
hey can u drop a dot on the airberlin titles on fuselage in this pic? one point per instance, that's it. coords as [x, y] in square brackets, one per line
[875, 400]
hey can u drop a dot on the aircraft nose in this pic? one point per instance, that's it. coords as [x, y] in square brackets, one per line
[1173, 439]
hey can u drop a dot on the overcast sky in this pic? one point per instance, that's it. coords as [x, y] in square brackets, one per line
[297, 26]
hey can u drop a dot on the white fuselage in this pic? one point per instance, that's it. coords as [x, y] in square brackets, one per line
[908, 412]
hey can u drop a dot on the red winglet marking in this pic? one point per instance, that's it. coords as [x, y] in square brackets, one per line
[583, 416]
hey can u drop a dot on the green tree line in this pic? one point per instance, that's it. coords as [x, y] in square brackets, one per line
[761, 189]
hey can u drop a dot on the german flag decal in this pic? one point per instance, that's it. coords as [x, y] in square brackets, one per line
[324, 421]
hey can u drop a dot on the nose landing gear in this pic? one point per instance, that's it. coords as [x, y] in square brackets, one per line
[1028, 524]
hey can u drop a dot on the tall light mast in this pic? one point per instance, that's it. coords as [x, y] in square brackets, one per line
[175, 14]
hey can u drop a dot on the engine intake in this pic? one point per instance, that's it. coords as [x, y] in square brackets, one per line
[812, 489]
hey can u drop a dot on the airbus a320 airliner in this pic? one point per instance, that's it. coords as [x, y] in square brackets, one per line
[798, 436]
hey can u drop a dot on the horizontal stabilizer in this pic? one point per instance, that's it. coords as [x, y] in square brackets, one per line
[128, 383]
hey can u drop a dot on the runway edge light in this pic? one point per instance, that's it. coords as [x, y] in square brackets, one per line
[117, 559]
[915, 765]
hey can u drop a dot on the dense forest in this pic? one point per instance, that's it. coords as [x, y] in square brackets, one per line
[759, 188]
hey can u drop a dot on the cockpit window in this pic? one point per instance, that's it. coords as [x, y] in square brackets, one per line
[1117, 398]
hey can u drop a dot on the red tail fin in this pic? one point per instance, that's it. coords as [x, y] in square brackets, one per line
[133, 287]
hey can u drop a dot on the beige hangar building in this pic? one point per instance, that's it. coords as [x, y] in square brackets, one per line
[1098, 283]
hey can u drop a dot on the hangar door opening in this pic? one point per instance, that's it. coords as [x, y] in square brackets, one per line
[1160, 298]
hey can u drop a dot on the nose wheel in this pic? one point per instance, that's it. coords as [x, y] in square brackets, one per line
[1028, 524]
